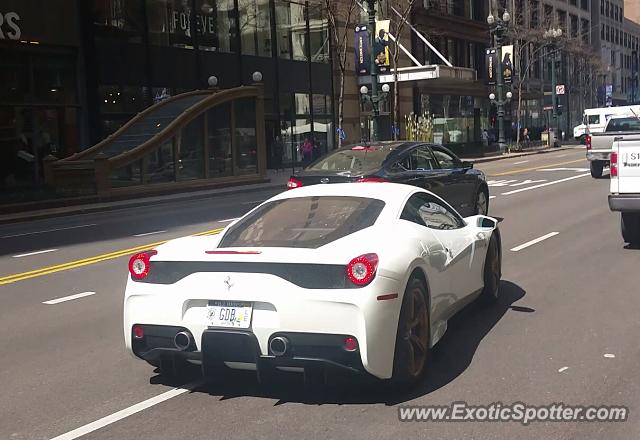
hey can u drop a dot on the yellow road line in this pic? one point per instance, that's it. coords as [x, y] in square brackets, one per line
[87, 261]
[539, 167]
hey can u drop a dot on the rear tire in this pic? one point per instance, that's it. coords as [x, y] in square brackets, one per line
[596, 167]
[630, 226]
[492, 273]
[413, 336]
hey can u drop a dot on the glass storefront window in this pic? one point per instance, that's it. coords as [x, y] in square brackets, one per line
[246, 152]
[226, 26]
[219, 141]
[302, 104]
[170, 23]
[319, 35]
[118, 18]
[283, 25]
[255, 27]
[128, 175]
[14, 78]
[298, 31]
[206, 24]
[190, 150]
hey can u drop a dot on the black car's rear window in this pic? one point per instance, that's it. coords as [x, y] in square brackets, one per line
[304, 222]
[354, 159]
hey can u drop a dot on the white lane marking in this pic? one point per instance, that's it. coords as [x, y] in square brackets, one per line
[501, 182]
[563, 369]
[536, 241]
[522, 161]
[46, 251]
[492, 197]
[68, 298]
[528, 182]
[117, 416]
[148, 233]
[227, 220]
[577, 170]
[609, 355]
[49, 230]
[544, 184]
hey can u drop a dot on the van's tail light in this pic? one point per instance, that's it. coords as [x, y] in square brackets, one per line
[361, 270]
[294, 183]
[140, 264]
[614, 164]
[372, 179]
[587, 141]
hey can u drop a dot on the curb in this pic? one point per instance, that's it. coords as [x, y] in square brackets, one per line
[523, 154]
[125, 204]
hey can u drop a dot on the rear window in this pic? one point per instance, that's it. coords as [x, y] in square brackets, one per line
[624, 124]
[303, 222]
[354, 159]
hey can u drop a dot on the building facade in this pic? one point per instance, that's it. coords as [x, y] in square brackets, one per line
[75, 75]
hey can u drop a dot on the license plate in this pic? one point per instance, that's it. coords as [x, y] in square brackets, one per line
[233, 314]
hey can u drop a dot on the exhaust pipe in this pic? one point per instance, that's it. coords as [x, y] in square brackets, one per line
[279, 346]
[182, 340]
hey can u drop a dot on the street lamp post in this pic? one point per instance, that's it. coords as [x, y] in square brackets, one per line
[375, 99]
[499, 27]
[553, 35]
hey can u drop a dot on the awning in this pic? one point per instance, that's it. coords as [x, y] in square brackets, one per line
[435, 74]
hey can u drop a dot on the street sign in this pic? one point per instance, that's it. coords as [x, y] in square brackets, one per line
[548, 107]
[560, 89]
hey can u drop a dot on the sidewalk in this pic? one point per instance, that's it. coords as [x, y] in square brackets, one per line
[277, 180]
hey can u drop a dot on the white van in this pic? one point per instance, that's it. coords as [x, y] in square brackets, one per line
[594, 120]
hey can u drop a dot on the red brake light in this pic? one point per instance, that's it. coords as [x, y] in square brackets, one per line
[372, 179]
[350, 343]
[587, 141]
[138, 331]
[614, 164]
[362, 269]
[139, 264]
[294, 183]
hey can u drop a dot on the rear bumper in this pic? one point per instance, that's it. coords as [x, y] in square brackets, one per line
[598, 155]
[234, 348]
[624, 202]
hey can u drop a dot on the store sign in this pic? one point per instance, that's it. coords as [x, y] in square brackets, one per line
[381, 45]
[363, 60]
[179, 22]
[491, 61]
[9, 29]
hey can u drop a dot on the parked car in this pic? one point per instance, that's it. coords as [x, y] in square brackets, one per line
[625, 186]
[428, 166]
[361, 278]
[599, 144]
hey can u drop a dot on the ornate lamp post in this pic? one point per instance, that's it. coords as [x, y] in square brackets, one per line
[553, 35]
[375, 97]
[498, 29]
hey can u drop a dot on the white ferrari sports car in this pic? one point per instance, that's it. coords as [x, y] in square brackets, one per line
[360, 277]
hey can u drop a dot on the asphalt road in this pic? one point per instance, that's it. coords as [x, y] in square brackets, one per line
[567, 301]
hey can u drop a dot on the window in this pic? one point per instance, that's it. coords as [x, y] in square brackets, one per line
[357, 159]
[593, 119]
[422, 160]
[445, 160]
[255, 27]
[120, 19]
[303, 222]
[623, 124]
[584, 4]
[426, 210]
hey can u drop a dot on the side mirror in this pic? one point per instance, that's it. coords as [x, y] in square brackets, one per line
[487, 223]
[466, 164]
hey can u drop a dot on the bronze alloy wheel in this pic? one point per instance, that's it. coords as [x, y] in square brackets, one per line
[412, 339]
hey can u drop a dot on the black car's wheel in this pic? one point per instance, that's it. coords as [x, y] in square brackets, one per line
[630, 225]
[481, 202]
[492, 272]
[412, 339]
[596, 166]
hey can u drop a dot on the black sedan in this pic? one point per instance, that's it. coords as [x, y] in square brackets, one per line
[429, 166]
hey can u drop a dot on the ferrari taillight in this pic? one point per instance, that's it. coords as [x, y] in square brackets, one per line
[361, 270]
[294, 183]
[140, 264]
[613, 166]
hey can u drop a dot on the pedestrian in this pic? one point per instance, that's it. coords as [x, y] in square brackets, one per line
[525, 136]
[485, 139]
[307, 152]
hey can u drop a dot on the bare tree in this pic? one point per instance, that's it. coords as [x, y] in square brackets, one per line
[342, 16]
[404, 8]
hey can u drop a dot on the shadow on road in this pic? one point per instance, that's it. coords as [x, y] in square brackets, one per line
[450, 358]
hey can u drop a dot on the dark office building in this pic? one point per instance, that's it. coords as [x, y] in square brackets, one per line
[74, 71]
